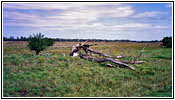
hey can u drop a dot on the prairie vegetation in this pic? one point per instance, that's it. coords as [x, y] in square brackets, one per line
[53, 73]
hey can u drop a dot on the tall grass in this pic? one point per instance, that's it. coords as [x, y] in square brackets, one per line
[54, 74]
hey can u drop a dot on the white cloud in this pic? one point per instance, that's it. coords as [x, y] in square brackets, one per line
[83, 18]
[133, 25]
[70, 20]
[116, 12]
[147, 14]
[161, 27]
[50, 6]
[80, 15]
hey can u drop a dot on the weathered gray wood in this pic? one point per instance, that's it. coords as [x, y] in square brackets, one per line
[97, 52]
[133, 62]
[100, 60]
[110, 65]
[75, 52]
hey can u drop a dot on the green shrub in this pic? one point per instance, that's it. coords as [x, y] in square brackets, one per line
[49, 41]
[167, 41]
[39, 43]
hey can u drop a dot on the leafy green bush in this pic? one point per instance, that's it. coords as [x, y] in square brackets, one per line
[167, 41]
[49, 41]
[39, 43]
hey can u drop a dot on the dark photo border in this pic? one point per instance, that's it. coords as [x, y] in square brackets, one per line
[90, 97]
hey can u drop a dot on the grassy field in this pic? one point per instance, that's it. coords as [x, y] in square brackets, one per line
[54, 74]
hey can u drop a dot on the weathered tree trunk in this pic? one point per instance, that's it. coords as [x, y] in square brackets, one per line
[97, 52]
[37, 52]
[75, 52]
[100, 60]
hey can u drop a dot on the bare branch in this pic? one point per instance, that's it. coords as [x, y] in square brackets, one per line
[84, 42]
[139, 54]
[118, 57]
[97, 52]
[90, 58]
[110, 65]
[133, 62]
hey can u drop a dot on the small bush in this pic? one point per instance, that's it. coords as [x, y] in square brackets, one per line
[39, 43]
[167, 41]
[49, 41]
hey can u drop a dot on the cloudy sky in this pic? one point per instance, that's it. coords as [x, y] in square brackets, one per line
[90, 20]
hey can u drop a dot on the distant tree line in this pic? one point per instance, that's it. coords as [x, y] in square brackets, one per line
[11, 38]
[76, 40]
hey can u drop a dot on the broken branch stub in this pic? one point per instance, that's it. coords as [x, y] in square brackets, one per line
[136, 58]
[75, 50]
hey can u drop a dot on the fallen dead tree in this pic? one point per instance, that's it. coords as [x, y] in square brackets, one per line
[89, 51]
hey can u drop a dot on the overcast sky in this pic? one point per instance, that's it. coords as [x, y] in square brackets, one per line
[90, 20]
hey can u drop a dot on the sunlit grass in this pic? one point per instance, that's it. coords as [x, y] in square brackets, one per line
[54, 74]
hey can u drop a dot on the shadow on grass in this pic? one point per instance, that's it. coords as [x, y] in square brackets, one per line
[162, 57]
[161, 93]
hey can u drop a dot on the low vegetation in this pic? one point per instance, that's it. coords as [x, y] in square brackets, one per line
[53, 73]
[167, 42]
